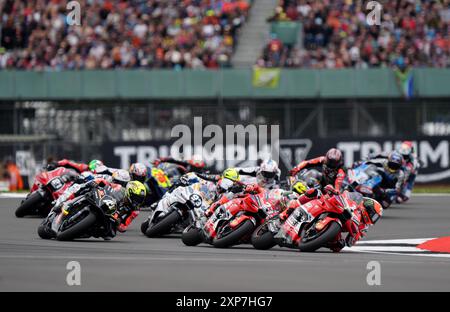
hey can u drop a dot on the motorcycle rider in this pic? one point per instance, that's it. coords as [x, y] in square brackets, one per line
[184, 166]
[411, 167]
[78, 167]
[331, 165]
[392, 172]
[366, 214]
[129, 196]
[267, 173]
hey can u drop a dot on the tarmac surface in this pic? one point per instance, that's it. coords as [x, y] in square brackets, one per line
[132, 262]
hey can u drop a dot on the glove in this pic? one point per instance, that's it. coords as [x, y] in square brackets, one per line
[251, 188]
[329, 189]
[293, 171]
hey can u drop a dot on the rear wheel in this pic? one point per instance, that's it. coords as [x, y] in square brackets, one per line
[192, 236]
[234, 236]
[78, 228]
[319, 239]
[30, 205]
[164, 225]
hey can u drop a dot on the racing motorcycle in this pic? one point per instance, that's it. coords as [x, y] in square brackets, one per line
[179, 208]
[367, 180]
[92, 214]
[231, 223]
[310, 226]
[48, 186]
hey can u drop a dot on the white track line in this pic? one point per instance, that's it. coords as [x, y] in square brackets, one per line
[13, 195]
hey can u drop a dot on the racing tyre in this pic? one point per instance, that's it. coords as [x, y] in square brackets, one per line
[164, 225]
[30, 205]
[263, 240]
[78, 228]
[44, 232]
[144, 226]
[191, 236]
[233, 237]
[321, 238]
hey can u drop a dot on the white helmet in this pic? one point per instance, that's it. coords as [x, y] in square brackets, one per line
[121, 177]
[268, 173]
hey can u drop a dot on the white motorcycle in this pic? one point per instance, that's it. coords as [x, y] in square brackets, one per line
[179, 208]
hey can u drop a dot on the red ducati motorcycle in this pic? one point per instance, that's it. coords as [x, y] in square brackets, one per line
[231, 223]
[312, 225]
[47, 187]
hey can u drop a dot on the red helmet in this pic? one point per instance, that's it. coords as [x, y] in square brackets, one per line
[334, 159]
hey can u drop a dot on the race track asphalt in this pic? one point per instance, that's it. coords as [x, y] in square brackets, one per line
[132, 262]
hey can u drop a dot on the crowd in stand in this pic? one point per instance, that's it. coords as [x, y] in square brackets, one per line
[117, 33]
[412, 33]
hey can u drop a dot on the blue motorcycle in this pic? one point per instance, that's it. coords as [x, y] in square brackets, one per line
[367, 179]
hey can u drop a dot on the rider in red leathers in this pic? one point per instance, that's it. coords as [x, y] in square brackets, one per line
[367, 213]
[79, 167]
[332, 168]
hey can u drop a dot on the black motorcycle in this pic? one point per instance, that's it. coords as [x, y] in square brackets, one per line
[92, 214]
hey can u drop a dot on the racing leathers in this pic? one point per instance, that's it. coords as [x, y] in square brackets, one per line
[335, 178]
[79, 167]
[411, 168]
[253, 173]
[392, 181]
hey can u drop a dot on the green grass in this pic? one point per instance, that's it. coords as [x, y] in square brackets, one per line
[421, 189]
[21, 191]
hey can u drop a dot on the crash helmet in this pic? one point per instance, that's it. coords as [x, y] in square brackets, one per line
[299, 188]
[135, 193]
[138, 172]
[394, 162]
[228, 179]
[267, 172]
[93, 164]
[334, 160]
[372, 210]
[406, 150]
[121, 177]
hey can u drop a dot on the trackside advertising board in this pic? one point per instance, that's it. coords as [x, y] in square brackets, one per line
[434, 153]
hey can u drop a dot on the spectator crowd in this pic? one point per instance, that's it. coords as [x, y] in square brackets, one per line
[117, 33]
[412, 33]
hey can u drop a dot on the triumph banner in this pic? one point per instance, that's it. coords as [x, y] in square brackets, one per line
[433, 152]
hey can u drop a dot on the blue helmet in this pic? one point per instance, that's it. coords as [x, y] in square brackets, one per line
[395, 161]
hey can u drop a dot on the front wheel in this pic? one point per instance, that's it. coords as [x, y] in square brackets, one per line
[262, 238]
[30, 205]
[191, 236]
[144, 226]
[81, 226]
[319, 239]
[234, 236]
[44, 231]
[164, 225]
